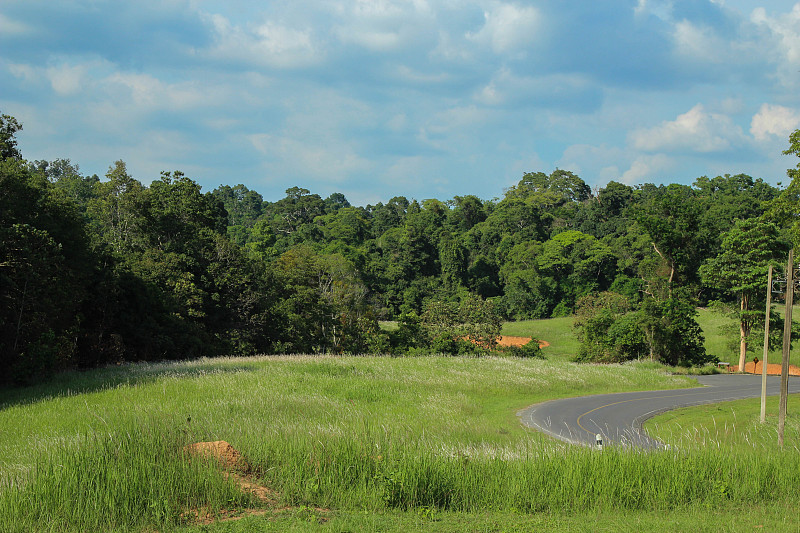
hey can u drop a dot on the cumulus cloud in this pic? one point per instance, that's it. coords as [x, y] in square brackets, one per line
[267, 44]
[697, 130]
[780, 44]
[508, 28]
[774, 120]
[785, 28]
[374, 90]
[646, 168]
[699, 43]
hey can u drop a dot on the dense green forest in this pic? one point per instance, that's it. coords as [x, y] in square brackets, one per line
[100, 270]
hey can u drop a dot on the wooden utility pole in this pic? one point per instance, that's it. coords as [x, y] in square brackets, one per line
[766, 349]
[787, 343]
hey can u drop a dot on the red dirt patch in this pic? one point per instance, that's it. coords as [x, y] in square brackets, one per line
[772, 369]
[235, 467]
[507, 340]
[223, 453]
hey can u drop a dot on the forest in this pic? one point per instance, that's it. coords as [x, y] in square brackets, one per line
[100, 270]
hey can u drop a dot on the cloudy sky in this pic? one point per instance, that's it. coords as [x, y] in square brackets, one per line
[421, 98]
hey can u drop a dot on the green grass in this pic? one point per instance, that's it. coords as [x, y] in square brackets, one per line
[728, 426]
[386, 442]
[424, 443]
[722, 337]
[558, 332]
[346, 433]
[722, 517]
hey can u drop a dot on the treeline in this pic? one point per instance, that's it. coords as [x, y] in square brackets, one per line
[102, 270]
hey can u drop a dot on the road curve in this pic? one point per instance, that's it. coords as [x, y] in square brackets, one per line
[619, 417]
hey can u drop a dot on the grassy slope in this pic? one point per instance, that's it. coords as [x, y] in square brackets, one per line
[459, 407]
[728, 425]
[557, 331]
[722, 337]
[297, 419]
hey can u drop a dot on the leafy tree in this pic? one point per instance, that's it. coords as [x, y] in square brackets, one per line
[672, 219]
[783, 209]
[673, 335]
[8, 137]
[472, 319]
[242, 205]
[741, 268]
[336, 201]
[118, 212]
[45, 264]
[298, 208]
[325, 305]
[606, 328]
[466, 212]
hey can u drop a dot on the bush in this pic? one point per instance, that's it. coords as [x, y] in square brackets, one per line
[529, 350]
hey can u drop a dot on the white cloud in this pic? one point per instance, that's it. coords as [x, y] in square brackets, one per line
[597, 165]
[784, 32]
[508, 28]
[67, 79]
[457, 121]
[13, 28]
[785, 28]
[328, 162]
[506, 88]
[774, 120]
[149, 92]
[23, 72]
[697, 130]
[410, 75]
[699, 43]
[267, 44]
[383, 25]
[646, 168]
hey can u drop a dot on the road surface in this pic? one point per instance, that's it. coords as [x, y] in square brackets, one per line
[618, 417]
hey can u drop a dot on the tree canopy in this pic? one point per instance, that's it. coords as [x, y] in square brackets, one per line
[104, 269]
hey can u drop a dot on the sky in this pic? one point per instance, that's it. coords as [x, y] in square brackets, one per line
[416, 98]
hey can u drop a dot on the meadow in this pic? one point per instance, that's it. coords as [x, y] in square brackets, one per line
[376, 443]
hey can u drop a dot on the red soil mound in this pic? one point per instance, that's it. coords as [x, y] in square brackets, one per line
[223, 453]
[772, 369]
[236, 468]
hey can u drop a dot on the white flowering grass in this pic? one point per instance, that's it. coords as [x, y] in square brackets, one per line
[366, 433]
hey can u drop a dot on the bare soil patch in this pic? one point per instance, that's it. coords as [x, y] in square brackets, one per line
[236, 468]
[508, 340]
[773, 369]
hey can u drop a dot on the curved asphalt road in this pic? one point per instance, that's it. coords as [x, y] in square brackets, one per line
[619, 417]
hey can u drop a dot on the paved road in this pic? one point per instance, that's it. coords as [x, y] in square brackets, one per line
[619, 417]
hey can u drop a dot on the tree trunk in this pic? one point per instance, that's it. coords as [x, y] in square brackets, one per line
[742, 336]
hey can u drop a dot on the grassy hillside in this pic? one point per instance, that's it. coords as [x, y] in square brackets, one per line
[348, 443]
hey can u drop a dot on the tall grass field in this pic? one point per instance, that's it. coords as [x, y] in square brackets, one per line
[367, 443]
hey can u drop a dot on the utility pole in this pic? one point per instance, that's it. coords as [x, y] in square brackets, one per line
[787, 341]
[766, 349]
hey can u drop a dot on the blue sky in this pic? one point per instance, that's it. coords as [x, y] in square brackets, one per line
[421, 98]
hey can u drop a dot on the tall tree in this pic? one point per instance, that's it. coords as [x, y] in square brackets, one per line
[741, 268]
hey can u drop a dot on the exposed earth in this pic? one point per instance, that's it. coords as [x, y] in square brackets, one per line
[507, 340]
[773, 369]
[236, 468]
